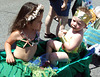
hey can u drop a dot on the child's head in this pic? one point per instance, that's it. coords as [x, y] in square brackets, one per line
[28, 13]
[81, 18]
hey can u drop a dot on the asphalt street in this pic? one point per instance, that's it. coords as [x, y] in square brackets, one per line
[9, 10]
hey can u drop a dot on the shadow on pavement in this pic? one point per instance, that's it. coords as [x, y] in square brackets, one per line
[95, 61]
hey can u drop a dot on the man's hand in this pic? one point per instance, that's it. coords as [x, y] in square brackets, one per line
[64, 6]
[62, 33]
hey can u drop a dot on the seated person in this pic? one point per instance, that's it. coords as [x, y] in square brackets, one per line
[25, 32]
[67, 49]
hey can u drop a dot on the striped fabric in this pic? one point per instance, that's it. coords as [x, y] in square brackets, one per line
[92, 36]
[97, 24]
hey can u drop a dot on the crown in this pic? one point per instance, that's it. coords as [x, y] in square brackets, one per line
[93, 15]
[83, 16]
[35, 13]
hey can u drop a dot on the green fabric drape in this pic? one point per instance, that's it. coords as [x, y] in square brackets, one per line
[69, 70]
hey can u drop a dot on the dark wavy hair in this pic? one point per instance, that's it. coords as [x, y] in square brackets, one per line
[26, 10]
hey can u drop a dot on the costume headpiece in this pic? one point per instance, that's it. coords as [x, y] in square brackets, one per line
[35, 13]
[93, 16]
[83, 16]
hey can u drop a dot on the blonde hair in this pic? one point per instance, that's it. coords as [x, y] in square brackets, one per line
[84, 14]
[86, 10]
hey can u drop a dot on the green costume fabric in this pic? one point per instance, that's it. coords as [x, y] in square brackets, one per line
[20, 69]
[13, 70]
[72, 56]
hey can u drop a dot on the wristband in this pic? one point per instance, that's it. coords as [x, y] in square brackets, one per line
[63, 39]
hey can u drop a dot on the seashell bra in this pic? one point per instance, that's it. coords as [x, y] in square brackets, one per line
[27, 42]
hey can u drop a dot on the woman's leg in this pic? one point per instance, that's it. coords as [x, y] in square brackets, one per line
[62, 23]
[49, 19]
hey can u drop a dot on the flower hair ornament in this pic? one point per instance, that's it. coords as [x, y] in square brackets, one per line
[35, 13]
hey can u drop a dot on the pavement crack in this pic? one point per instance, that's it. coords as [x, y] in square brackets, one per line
[8, 12]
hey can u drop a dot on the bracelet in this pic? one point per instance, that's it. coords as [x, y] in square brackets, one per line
[63, 39]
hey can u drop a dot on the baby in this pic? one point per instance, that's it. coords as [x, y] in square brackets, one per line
[67, 49]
